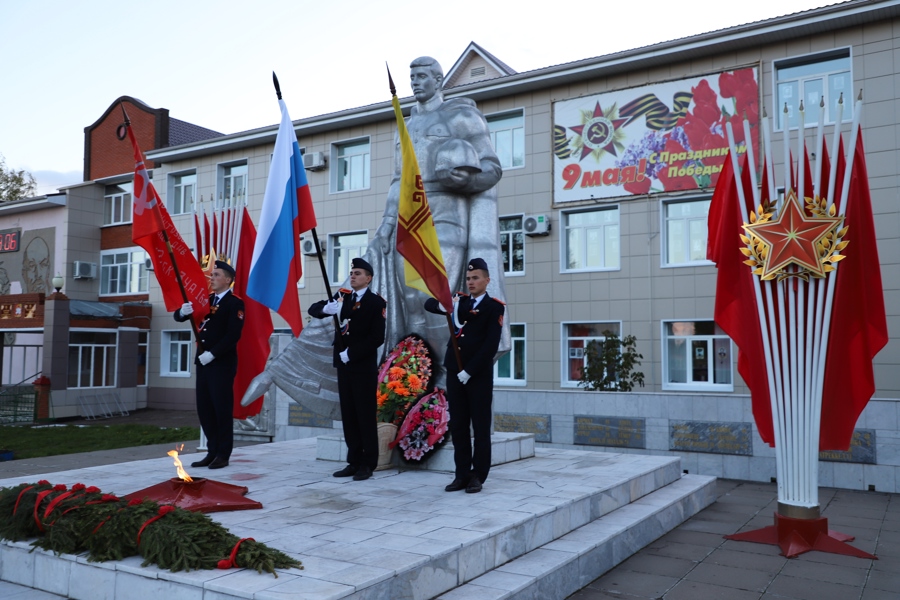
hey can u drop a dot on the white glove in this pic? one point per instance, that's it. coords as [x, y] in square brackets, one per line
[463, 377]
[345, 356]
[332, 308]
[186, 309]
[207, 357]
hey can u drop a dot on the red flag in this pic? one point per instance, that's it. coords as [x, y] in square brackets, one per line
[736, 311]
[858, 322]
[253, 347]
[198, 240]
[150, 220]
[206, 238]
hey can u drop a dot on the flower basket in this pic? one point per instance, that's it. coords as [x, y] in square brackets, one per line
[386, 434]
[424, 428]
[403, 376]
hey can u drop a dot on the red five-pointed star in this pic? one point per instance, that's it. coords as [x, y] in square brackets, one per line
[792, 238]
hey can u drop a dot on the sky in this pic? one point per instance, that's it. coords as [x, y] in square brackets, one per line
[210, 62]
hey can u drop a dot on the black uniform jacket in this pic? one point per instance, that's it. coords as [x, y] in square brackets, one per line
[362, 326]
[479, 336]
[221, 330]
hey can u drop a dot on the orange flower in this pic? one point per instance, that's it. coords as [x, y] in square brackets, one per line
[401, 390]
[396, 373]
[393, 385]
[415, 382]
[382, 398]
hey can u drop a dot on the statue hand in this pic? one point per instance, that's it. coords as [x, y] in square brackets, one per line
[385, 235]
[259, 386]
[454, 178]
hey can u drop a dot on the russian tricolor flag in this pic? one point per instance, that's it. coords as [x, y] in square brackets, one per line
[287, 211]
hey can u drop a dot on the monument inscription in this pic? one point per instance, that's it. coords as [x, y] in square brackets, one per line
[862, 449]
[711, 437]
[617, 432]
[539, 425]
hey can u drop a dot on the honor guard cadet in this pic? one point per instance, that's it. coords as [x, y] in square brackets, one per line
[478, 319]
[361, 314]
[217, 365]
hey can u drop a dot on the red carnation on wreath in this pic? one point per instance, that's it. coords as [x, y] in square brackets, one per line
[424, 428]
[404, 375]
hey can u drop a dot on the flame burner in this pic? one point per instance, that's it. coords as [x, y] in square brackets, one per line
[199, 495]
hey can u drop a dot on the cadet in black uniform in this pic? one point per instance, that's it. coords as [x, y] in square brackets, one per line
[479, 321]
[362, 316]
[217, 365]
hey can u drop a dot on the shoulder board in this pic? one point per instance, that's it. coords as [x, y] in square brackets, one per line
[345, 291]
[498, 300]
[461, 295]
[236, 296]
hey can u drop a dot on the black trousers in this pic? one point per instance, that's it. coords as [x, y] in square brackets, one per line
[357, 388]
[215, 406]
[471, 403]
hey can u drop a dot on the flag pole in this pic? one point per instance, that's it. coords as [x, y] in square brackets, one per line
[315, 236]
[165, 234]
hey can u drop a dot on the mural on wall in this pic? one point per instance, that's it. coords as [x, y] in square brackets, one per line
[27, 266]
[631, 142]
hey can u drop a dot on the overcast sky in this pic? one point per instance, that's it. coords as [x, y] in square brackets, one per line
[211, 62]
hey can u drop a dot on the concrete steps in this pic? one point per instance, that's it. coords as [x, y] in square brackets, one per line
[542, 528]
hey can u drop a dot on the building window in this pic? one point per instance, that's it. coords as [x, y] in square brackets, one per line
[123, 271]
[508, 137]
[591, 240]
[352, 160]
[575, 338]
[512, 245]
[182, 191]
[510, 368]
[176, 353]
[685, 232]
[811, 78]
[92, 359]
[696, 356]
[143, 353]
[117, 204]
[232, 185]
[342, 248]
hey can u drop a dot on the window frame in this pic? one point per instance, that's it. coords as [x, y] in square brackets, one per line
[224, 178]
[124, 197]
[665, 262]
[521, 231]
[337, 159]
[108, 370]
[512, 354]
[564, 366]
[143, 350]
[143, 273]
[564, 239]
[844, 52]
[691, 385]
[500, 117]
[165, 354]
[331, 247]
[173, 185]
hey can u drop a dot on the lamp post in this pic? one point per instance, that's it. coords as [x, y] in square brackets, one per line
[58, 282]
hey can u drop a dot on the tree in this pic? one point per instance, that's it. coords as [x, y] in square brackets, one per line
[15, 185]
[610, 364]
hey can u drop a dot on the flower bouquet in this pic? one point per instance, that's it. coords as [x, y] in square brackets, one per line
[404, 375]
[425, 427]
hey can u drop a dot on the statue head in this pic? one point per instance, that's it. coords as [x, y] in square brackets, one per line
[426, 78]
[36, 266]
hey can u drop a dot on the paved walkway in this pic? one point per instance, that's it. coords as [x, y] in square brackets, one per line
[693, 562]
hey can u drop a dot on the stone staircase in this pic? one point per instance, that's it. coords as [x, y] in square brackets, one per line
[544, 526]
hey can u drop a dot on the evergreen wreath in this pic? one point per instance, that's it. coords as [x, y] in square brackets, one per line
[84, 519]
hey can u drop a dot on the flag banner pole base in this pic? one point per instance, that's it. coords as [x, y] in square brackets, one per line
[797, 536]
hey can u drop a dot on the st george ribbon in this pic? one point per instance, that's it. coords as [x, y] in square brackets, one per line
[809, 321]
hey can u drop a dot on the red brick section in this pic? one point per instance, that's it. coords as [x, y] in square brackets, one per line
[111, 156]
[118, 236]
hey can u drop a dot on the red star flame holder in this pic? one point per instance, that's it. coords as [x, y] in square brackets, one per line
[199, 495]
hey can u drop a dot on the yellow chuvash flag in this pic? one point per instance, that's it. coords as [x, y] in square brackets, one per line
[417, 240]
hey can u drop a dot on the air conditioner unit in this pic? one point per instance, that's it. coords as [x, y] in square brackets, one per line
[314, 161]
[536, 224]
[308, 247]
[84, 270]
[148, 264]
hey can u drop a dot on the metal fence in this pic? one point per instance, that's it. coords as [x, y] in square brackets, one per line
[18, 404]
